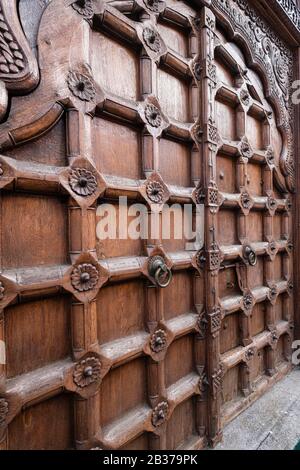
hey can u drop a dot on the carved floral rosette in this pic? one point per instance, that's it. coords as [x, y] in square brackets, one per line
[87, 372]
[159, 414]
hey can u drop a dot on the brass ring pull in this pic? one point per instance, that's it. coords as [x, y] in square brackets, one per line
[163, 276]
[250, 256]
[160, 271]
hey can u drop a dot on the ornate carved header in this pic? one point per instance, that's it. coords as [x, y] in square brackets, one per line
[291, 10]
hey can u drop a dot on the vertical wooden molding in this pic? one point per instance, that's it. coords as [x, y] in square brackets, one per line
[82, 239]
[208, 151]
[156, 388]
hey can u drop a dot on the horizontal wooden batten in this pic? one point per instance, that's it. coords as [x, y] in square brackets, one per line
[34, 387]
[138, 421]
[260, 294]
[108, 19]
[260, 203]
[124, 350]
[177, 64]
[235, 356]
[193, 443]
[233, 252]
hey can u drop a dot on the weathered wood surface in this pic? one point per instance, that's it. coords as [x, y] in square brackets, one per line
[131, 95]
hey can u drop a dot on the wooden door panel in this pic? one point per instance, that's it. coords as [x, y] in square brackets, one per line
[154, 102]
[243, 114]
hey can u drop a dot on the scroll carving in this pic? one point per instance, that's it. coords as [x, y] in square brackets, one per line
[1, 291]
[18, 67]
[3, 411]
[291, 10]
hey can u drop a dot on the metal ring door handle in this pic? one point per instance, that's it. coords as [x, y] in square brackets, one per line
[161, 273]
[163, 276]
[250, 256]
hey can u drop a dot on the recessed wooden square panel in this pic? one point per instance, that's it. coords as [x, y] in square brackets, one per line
[121, 59]
[115, 226]
[178, 297]
[173, 95]
[279, 353]
[254, 132]
[227, 227]
[276, 137]
[175, 162]
[230, 332]
[226, 120]
[174, 233]
[55, 143]
[125, 387]
[278, 269]
[175, 367]
[116, 149]
[27, 221]
[228, 283]
[255, 178]
[141, 443]
[257, 319]
[223, 73]
[37, 333]
[226, 173]
[277, 226]
[279, 313]
[175, 38]
[256, 274]
[230, 385]
[120, 310]
[255, 225]
[181, 426]
[258, 366]
[36, 429]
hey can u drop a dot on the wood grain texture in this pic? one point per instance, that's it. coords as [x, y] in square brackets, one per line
[130, 101]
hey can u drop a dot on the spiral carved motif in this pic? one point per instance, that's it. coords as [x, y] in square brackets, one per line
[3, 410]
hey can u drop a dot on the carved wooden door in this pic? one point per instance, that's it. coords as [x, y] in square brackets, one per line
[157, 102]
